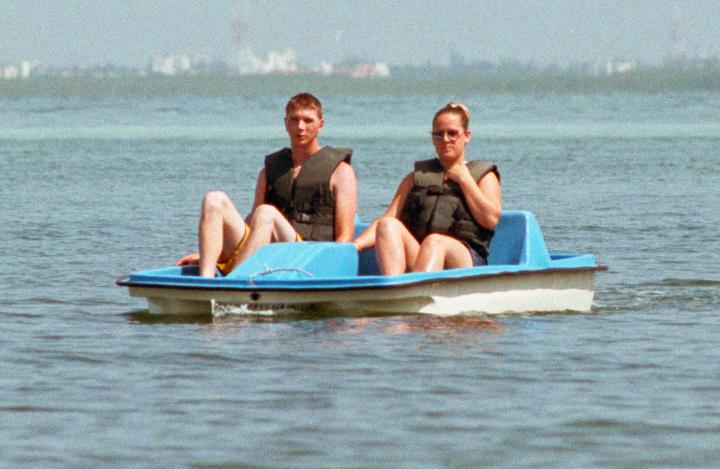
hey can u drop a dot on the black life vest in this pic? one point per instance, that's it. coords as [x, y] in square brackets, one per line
[307, 202]
[437, 206]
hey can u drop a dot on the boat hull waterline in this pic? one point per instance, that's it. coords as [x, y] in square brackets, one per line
[542, 291]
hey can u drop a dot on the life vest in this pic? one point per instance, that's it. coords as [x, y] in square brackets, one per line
[307, 202]
[437, 206]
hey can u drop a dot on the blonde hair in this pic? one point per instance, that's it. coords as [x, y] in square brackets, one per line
[459, 109]
[304, 101]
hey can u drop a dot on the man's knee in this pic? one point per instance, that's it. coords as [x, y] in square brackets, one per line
[215, 201]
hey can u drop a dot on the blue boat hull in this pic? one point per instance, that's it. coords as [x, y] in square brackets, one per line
[521, 277]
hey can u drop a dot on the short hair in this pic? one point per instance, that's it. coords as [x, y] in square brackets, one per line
[458, 109]
[304, 101]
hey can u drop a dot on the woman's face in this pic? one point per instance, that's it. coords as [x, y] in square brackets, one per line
[449, 137]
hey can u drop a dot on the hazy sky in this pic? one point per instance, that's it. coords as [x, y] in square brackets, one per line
[130, 32]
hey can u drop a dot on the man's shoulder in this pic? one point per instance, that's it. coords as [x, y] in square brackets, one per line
[344, 168]
[343, 175]
[277, 164]
[283, 152]
[336, 155]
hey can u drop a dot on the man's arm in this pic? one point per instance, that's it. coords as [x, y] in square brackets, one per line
[260, 189]
[344, 186]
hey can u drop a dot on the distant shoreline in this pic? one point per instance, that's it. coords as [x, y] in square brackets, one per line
[639, 81]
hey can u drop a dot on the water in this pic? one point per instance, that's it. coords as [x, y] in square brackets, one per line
[94, 188]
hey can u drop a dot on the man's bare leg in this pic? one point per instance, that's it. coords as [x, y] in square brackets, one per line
[267, 225]
[438, 252]
[395, 248]
[221, 229]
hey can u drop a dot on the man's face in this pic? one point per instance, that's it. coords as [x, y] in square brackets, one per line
[303, 126]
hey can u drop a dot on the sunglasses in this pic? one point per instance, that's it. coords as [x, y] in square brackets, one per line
[452, 135]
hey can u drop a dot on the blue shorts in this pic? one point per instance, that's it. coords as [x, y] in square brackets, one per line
[477, 259]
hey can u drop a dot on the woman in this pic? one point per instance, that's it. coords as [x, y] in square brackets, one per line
[443, 214]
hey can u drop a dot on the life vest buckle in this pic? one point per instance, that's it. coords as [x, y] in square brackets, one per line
[302, 217]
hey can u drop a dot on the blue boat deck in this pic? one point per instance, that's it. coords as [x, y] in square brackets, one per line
[518, 246]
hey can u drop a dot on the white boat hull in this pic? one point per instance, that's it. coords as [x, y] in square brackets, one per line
[511, 293]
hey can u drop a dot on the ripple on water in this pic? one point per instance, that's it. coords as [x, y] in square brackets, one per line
[113, 186]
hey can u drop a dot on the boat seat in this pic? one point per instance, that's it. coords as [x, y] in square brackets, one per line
[292, 261]
[518, 241]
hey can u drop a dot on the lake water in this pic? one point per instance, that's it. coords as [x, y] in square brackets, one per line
[95, 188]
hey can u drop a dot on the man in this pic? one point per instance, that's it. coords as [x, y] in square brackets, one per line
[305, 192]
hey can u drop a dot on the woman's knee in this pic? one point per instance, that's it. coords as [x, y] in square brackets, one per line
[388, 226]
[454, 252]
[434, 242]
[434, 239]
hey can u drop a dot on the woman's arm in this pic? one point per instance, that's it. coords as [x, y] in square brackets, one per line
[483, 198]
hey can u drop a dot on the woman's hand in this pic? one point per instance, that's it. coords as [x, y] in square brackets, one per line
[458, 173]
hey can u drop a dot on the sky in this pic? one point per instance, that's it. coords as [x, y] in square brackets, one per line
[131, 32]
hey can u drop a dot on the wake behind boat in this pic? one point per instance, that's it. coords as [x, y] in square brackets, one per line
[326, 277]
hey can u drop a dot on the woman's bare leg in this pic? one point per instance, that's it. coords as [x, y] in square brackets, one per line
[438, 252]
[395, 248]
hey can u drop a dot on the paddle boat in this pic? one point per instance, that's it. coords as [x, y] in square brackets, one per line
[325, 277]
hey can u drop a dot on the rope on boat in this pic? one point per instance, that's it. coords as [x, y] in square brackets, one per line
[269, 270]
